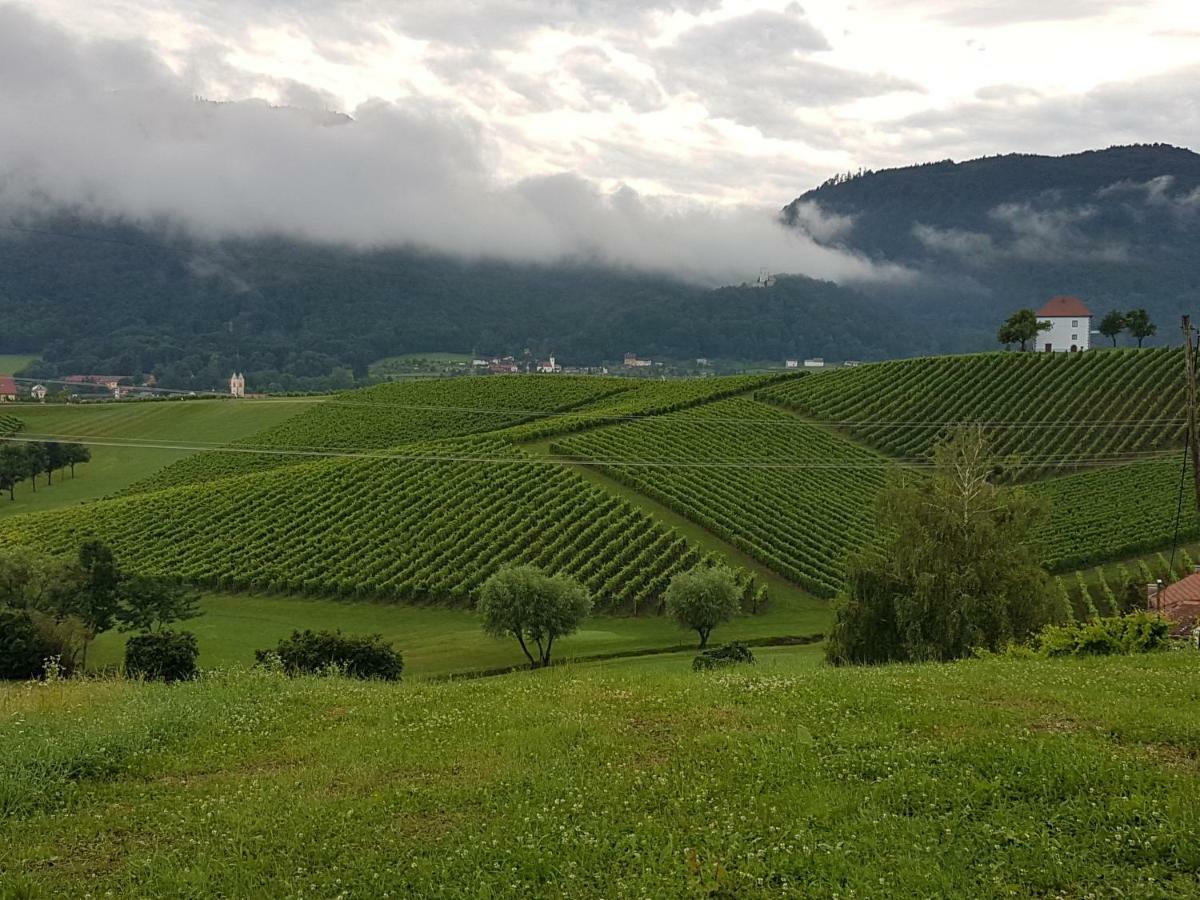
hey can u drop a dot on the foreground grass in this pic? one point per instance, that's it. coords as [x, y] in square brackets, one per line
[996, 778]
[202, 422]
[439, 640]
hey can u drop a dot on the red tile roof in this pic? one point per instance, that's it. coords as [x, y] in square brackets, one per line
[1180, 602]
[1060, 307]
[8, 387]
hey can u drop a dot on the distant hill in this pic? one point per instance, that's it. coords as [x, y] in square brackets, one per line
[1118, 227]
[93, 297]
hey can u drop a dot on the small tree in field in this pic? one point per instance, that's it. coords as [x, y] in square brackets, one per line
[1112, 325]
[1021, 328]
[1139, 325]
[703, 598]
[150, 604]
[535, 608]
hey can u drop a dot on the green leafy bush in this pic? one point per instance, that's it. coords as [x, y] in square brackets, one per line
[720, 657]
[162, 656]
[317, 652]
[23, 649]
[1140, 632]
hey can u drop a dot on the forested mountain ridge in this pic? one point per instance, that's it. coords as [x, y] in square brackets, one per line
[1117, 227]
[118, 298]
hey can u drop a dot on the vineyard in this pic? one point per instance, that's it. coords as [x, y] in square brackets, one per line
[1049, 411]
[390, 415]
[1113, 512]
[9, 424]
[804, 501]
[388, 528]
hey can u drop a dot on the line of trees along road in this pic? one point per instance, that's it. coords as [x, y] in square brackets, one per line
[26, 460]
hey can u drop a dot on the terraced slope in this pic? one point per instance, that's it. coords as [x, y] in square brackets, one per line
[794, 496]
[1052, 411]
[9, 424]
[393, 528]
[389, 415]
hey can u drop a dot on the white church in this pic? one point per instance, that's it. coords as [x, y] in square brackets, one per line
[1070, 325]
[237, 385]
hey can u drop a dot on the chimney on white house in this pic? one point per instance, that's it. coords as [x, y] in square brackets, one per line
[1152, 594]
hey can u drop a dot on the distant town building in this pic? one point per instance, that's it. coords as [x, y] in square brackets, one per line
[817, 362]
[38, 393]
[237, 385]
[503, 365]
[702, 360]
[8, 389]
[631, 360]
[851, 363]
[111, 382]
[791, 363]
[549, 366]
[1070, 325]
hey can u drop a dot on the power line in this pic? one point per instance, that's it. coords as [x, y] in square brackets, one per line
[618, 462]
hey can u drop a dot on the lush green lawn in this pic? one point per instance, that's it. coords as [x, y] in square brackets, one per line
[201, 422]
[12, 363]
[437, 640]
[998, 778]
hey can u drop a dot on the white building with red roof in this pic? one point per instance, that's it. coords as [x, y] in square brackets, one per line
[1070, 325]
[8, 389]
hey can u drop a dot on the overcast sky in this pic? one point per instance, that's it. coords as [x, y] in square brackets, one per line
[529, 128]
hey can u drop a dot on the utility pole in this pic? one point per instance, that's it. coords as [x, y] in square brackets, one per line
[1193, 439]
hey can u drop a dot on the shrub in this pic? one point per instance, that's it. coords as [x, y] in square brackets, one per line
[162, 656]
[317, 652]
[719, 657]
[23, 649]
[1140, 632]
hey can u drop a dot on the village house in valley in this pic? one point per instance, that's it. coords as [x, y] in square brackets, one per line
[8, 389]
[1070, 325]
[1178, 602]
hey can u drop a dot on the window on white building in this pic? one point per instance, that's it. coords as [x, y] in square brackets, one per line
[1074, 337]
[1074, 323]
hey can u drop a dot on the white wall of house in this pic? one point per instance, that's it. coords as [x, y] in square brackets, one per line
[1066, 332]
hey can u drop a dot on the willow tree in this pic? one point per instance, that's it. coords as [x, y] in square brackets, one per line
[955, 569]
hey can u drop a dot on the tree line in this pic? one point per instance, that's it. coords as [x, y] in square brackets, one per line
[27, 460]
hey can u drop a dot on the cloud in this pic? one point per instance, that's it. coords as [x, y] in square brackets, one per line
[757, 70]
[105, 130]
[1028, 232]
[1014, 12]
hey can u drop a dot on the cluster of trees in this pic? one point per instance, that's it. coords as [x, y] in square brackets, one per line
[52, 608]
[21, 460]
[1136, 322]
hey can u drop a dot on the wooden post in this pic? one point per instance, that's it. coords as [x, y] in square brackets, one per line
[1193, 439]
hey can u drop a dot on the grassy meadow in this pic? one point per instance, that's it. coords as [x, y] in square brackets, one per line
[438, 640]
[200, 422]
[995, 778]
[12, 363]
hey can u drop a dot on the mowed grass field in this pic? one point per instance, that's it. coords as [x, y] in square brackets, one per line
[202, 422]
[440, 640]
[996, 778]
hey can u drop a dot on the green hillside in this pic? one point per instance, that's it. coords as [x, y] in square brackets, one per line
[389, 415]
[1053, 778]
[130, 441]
[396, 528]
[1047, 410]
[794, 496]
